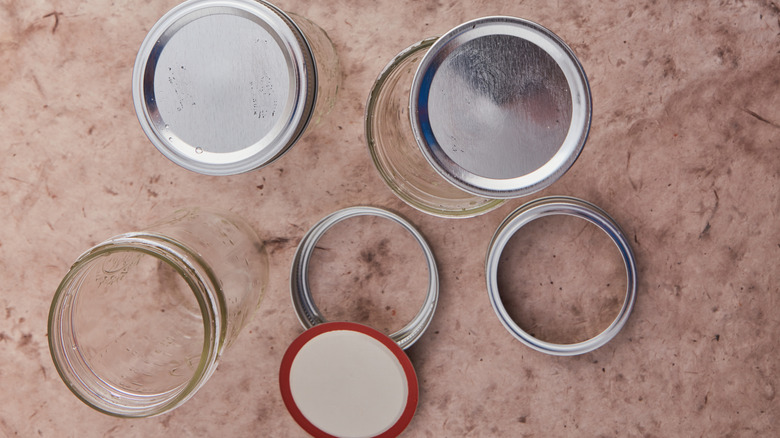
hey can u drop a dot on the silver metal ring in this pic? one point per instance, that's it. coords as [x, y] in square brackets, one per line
[308, 313]
[554, 206]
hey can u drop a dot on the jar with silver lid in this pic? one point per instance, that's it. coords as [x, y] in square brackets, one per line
[497, 108]
[222, 87]
[140, 321]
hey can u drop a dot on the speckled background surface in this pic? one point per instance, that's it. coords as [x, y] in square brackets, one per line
[683, 153]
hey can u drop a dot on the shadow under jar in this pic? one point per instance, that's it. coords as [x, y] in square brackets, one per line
[140, 321]
[497, 108]
[222, 87]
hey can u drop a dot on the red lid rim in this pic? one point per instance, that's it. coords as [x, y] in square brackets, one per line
[292, 351]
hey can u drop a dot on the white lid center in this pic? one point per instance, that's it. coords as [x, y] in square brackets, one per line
[348, 384]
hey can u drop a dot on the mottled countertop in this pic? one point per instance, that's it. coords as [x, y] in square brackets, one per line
[683, 153]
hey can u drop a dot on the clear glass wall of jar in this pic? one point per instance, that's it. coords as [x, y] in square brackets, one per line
[327, 62]
[394, 149]
[140, 321]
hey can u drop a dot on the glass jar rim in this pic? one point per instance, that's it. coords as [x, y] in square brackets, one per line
[75, 370]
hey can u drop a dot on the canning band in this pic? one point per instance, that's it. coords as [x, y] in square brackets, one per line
[500, 107]
[303, 303]
[560, 205]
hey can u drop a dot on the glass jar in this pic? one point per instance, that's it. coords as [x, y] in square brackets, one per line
[326, 61]
[140, 321]
[222, 87]
[497, 108]
[394, 148]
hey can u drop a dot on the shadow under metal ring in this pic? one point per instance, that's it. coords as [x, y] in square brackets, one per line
[556, 206]
[308, 313]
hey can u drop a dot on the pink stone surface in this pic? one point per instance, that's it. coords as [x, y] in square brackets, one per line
[683, 153]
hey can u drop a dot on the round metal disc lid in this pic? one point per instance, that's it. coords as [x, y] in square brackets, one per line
[224, 86]
[342, 379]
[500, 107]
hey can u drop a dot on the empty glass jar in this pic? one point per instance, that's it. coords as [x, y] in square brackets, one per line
[140, 321]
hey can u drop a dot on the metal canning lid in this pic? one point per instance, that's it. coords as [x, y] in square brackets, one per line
[343, 379]
[224, 86]
[552, 206]
[308, 313]
[500, 107]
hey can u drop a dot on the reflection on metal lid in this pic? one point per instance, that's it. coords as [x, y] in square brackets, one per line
[224, 87]
[500, 107]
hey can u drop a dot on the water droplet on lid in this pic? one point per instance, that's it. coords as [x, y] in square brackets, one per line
[198, 150]
[167, 126]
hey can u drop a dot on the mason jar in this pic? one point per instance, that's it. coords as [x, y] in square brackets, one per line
[222, 87]
[139, 322]
[497, 108]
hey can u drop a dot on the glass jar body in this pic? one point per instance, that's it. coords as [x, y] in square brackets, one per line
[140, 321]
[327, 63]
[395, 151]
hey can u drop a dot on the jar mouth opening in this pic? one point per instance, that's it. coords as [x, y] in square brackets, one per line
[121, 354]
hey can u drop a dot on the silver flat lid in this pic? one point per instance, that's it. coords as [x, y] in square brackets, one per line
[500, 107]
[303, 301]
[224, 86]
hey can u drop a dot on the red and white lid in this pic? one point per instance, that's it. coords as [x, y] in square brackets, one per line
[343, 379]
